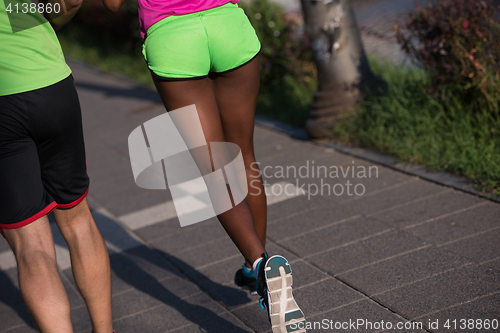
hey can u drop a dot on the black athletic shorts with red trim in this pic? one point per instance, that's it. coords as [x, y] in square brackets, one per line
[42, 153]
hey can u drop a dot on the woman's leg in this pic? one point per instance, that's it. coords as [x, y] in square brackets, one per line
[236, 94]
[238, 221]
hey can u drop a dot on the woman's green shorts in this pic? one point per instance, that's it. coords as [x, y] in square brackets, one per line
[193, 45]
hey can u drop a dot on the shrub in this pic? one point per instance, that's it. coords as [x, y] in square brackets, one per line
[288, 74]
[458, 43]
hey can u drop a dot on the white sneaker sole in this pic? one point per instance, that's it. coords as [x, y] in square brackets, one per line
[285, 314]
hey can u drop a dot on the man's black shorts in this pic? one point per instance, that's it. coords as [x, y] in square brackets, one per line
[42, 153]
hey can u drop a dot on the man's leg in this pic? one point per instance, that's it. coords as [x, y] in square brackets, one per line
[39, 280]
[89, 261]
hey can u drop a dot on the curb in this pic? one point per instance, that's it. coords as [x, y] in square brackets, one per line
[439, 177]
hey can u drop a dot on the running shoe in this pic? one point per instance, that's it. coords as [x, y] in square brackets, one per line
[274, 285]
[242, 281]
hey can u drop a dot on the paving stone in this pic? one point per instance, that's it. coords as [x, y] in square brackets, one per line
[362, 316]
[319, 183]
[136, 267]
[192, 236]
[297, 153]
[200, 256]
[304, 274]
[160, 230]
[130, 302]
[223, 323]
[226, 294]
[308, 220]
[437, 176]
[129, 202]
[106, 168]
[180, 287]
[336, 235]
[4, 246]
[494, 264]
[22, 329]
[218, 273]
[327, 294]
[423, 210]
[299, 161]
[457, 318]
[253, 316]
[406, 330]
[13, 311]
[264, 137]
[453, 227]
[81, 320]
[75, 299]
[365, 252]
[441, 291]
[12, 305]
[284, 209]
[272, 248]
[393, 196]
[401, 270]
[480, 248]
[196, 309]
[348, 186]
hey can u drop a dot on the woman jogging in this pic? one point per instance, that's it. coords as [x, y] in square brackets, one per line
[206, 53]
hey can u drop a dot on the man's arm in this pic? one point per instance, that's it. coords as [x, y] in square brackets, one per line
[68, 10]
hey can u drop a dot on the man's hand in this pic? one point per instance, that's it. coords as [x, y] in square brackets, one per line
[113, 5]
[68, 10]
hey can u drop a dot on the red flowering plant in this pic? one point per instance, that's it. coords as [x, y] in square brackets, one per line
[458, 43]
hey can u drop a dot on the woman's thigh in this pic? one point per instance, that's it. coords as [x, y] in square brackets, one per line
[178, 94]
[236, 96]
[225, 104]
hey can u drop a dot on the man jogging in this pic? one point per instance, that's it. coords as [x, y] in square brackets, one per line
[43, 169]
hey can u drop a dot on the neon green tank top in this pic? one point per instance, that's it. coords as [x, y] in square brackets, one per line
[31, 58]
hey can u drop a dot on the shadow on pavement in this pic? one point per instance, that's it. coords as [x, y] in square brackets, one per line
[141, 280]
[11, 297]
[135, 92]
[162, 276]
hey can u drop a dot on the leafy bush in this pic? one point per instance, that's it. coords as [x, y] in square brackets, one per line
[408, 123]
[458, 43]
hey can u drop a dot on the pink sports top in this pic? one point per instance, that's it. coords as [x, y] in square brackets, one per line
[152, 11]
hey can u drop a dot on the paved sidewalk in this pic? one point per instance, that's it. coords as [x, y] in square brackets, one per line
[406, 249]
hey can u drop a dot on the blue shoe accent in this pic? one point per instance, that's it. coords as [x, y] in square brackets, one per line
[248, 272]
[242, 281]
[261, 276]
[261, 303]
